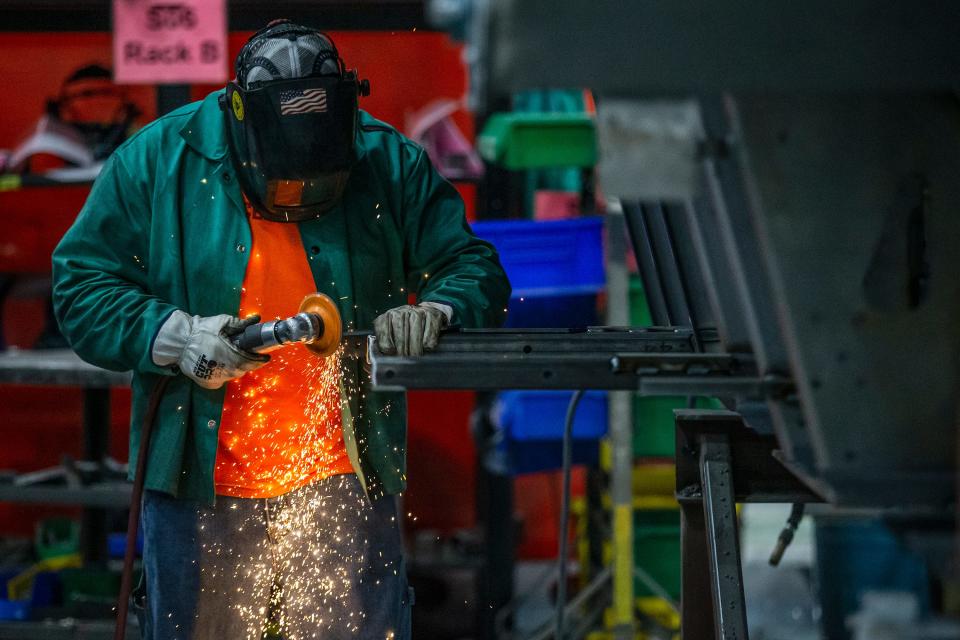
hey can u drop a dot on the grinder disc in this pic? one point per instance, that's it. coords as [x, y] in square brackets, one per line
[322, 305]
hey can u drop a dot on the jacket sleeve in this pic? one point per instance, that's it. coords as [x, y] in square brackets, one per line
[101, 290]
[445, 261]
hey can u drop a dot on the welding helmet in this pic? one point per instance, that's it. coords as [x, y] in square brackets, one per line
[291, 121]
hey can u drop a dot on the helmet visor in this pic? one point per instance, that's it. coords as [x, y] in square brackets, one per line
[293, 144]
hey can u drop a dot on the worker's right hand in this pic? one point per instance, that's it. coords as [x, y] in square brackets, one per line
[201, 348]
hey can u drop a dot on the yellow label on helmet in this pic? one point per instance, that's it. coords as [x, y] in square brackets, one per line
[237, 105]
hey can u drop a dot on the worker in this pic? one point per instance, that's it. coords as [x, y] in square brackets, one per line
[271, 479]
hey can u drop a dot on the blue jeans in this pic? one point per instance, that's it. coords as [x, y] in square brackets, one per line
[323, 556]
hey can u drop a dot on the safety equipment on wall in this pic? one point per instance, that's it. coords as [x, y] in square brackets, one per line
[52, 147]
[411, 329]
[291, 120]
[202, 350]
[85, 123]
[434, 129]
[90, 102]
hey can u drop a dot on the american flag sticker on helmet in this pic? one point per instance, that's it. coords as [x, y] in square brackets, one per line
[298, 101]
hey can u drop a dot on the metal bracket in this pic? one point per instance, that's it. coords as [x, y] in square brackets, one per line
[720, 517]
[720, 462]
[716, 374]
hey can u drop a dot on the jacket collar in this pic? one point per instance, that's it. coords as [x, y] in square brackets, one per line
[205, 131]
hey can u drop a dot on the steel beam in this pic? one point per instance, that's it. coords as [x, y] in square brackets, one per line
[105, 495]
[56, 367]
[696, 602]
[723, 544]
[496, 359]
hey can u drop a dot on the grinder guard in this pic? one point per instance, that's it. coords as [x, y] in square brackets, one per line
[326, 308]
[317, 325]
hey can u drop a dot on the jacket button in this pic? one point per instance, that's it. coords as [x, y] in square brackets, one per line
[314, 249]
[241, 248]
[226, 176]
[211, 424]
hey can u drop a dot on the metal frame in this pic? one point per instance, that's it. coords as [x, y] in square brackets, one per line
[745, 265]
[722, 462]
[806, 243]
[651, 361]
[494, 511]
[620, 434]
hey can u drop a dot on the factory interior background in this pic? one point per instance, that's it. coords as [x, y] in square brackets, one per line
[784, 249]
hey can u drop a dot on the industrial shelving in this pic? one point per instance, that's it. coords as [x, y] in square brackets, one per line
[64, 368]
[68, 629]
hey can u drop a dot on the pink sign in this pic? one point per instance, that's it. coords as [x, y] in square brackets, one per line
[170, 41]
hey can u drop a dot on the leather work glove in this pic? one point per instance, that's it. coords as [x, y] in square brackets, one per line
[201, 349]
[411, 329]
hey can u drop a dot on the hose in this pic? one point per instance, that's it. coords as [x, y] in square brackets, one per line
[565, 511]
[133, 521]
[786, 536]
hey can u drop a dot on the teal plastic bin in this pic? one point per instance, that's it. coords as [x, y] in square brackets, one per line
[854, 556]
[656, 549]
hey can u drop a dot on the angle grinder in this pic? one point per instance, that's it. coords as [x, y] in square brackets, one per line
[317, 325]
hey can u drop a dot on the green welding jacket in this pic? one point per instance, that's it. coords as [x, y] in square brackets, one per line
[165, 228]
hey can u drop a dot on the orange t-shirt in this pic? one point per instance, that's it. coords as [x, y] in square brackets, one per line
[281, 424]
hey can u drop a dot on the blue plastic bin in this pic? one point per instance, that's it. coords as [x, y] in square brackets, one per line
[531, 425]
[548, 254]
[117, 544]
[46, 590]
[854, 556]
[551, 310]
[555, 268]
[12, 609]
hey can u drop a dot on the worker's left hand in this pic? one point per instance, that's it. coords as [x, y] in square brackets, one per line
[411, 329]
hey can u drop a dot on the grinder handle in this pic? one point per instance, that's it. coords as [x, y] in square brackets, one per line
[250, 339]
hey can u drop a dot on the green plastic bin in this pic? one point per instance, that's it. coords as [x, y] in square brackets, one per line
[653, 424]
[656, 549]
[520, 141]
[56, 537]
[639, 310]
[653, 433]
[90, 587]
